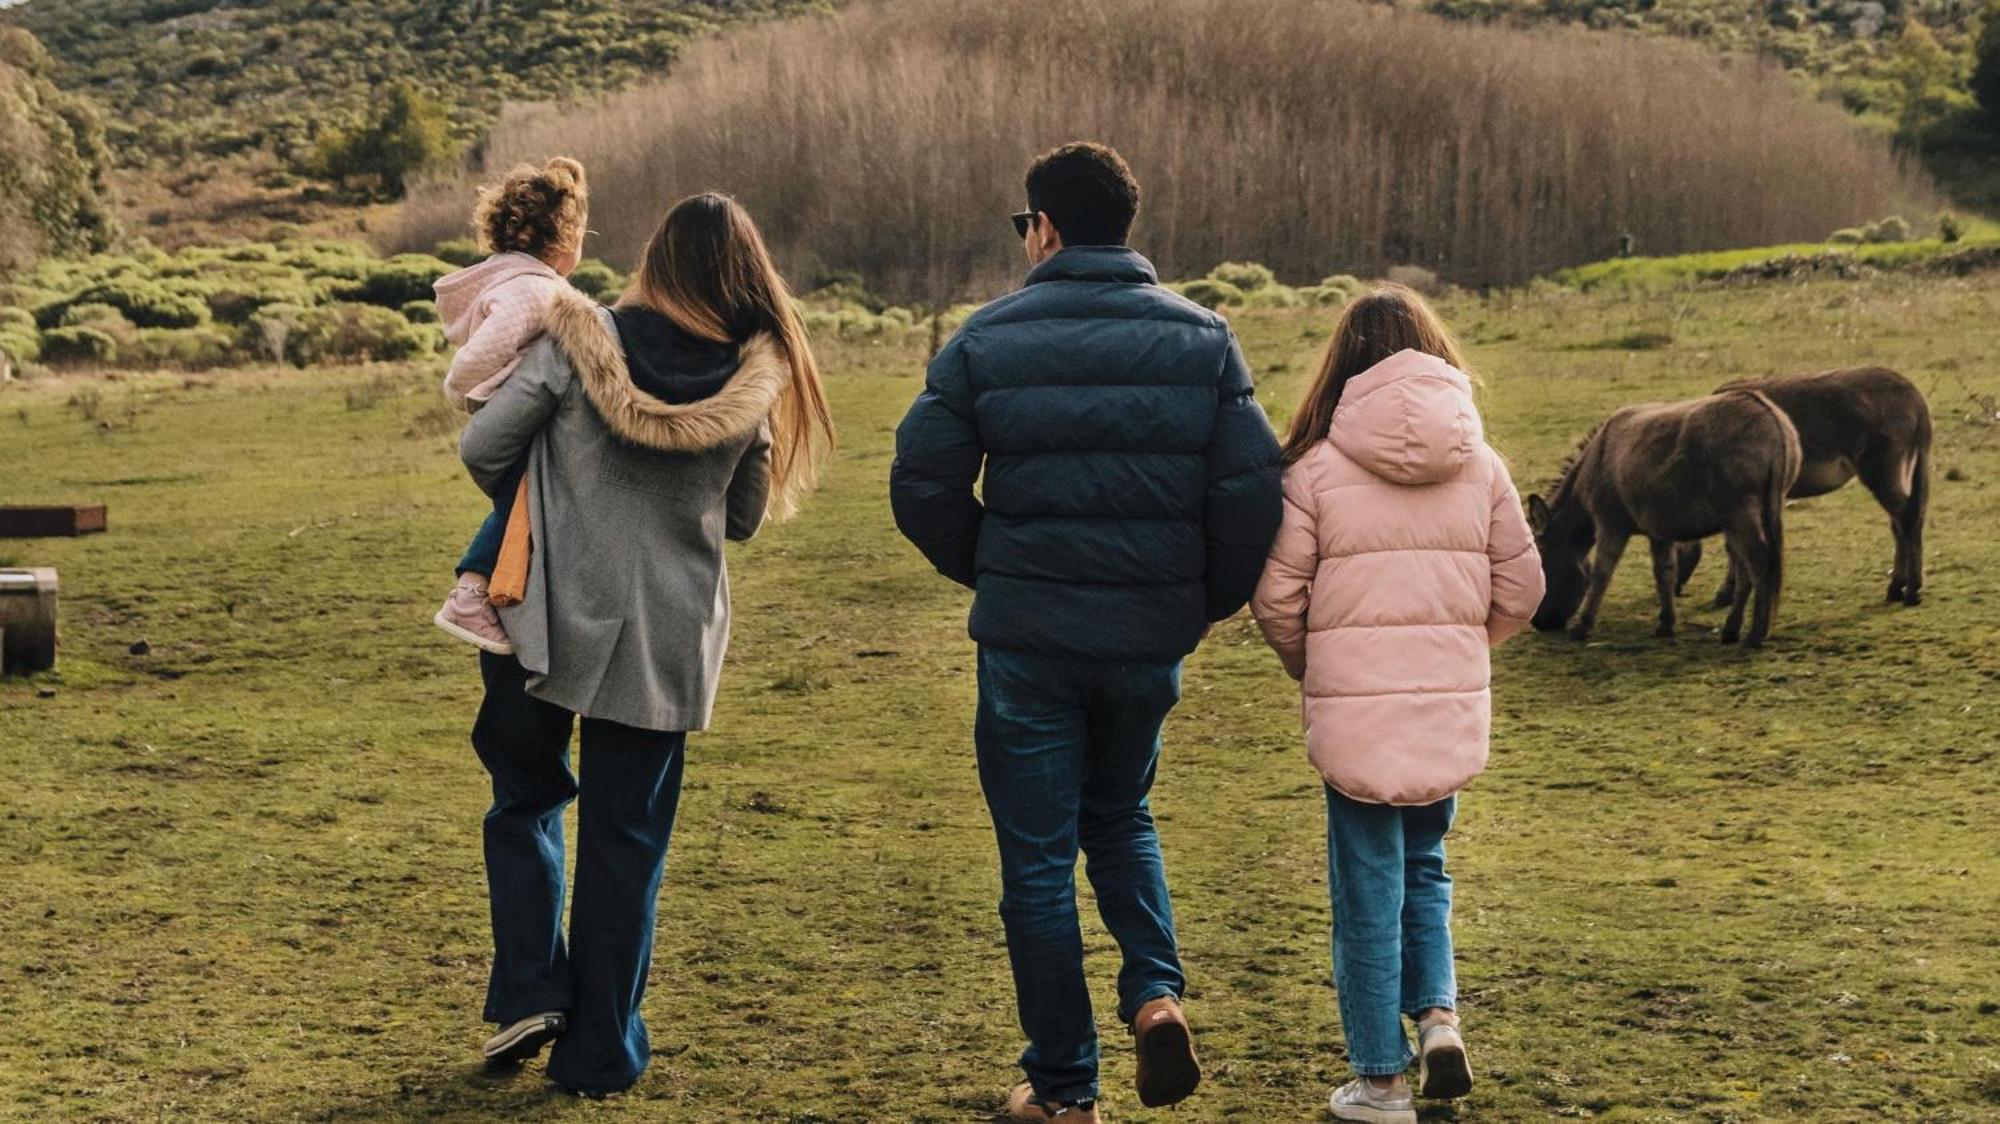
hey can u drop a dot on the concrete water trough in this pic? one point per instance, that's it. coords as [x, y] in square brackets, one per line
[27, 621]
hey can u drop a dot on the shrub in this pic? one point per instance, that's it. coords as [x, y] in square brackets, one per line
[101, 316]
[1985, 78]
[1247, 276]
[420, 312]
[20, 344]
[396, 282]
[1274, 296]
[62, 346]
[1950, 228]
[1209, 293]
[144, 303]
[1338, 289]
[1415, 276]
[349, 332]
[596, 280]
[1848, 236]
[190, 348]
[1892, 229]
[271, 331]
[460, 252]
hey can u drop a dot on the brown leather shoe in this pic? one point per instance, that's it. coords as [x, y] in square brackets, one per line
[1168, 1070]
[1023, 1107]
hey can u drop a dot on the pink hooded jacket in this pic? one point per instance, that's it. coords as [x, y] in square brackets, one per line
[1402, 558]
[492, 312]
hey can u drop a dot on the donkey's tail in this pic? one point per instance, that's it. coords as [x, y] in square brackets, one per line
[1784, 473]
[1920, 477]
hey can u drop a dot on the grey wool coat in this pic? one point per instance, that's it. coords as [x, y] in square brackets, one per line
[626, 616]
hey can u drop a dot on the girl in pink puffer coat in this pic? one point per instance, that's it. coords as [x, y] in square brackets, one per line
[1403, 557]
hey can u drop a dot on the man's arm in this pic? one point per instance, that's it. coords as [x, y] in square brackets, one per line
[938, 456]
[1245, 500]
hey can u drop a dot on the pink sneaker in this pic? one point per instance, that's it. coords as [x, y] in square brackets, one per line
[467, 616]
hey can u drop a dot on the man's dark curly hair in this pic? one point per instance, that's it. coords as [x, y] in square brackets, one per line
[1088, 192]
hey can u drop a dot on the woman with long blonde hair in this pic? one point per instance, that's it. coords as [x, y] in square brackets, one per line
[654, 431]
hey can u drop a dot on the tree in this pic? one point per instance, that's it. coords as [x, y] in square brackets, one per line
[1986, 65]
[1927, 75]
[408, 133]
[53, 197]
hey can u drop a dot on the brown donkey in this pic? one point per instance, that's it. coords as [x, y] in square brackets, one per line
[1674, 473]
[1860, 421]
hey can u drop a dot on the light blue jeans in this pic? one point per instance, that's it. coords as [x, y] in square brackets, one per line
[1391, 924]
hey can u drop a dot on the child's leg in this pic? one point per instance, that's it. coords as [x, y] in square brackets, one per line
[484, 552]
[1364, 850]
[1429, 982]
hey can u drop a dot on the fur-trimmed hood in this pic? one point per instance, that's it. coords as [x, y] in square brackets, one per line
[743, 404]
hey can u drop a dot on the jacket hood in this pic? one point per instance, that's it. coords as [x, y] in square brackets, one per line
[458, 293]
[631, 370]
[670, 363]
[1408, 419]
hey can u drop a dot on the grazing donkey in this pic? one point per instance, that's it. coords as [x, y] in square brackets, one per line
[1674, 473]
[1859, 421]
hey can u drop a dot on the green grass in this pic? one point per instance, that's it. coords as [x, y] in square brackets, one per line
[1651, 274]
[244, 879]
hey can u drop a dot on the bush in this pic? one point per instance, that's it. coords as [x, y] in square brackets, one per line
[19, 344]
[1950, 228]
[1338, 289]
[146, 304]
[62, 346]
[1210, 293]
[420, 312]
[1892, 229]
[349, 332]
[1247, 276]
[396, 282]
[101, 316]
[1848, 236]
[1274, 296]
[189, 348]
[1416, 277]
[1985, 78]
[596, 280]
[460, 252]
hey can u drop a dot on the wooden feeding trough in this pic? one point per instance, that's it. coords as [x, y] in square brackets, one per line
[27, 621]
[51, 522]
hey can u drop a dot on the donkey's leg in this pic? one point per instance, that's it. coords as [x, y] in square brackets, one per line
[1666, 579]
[1689, 556]
[1739, 586]
[1764, 563]
[1603, 563]
[1898, 483]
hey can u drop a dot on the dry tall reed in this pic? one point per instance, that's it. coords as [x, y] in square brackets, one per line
[1316, 136]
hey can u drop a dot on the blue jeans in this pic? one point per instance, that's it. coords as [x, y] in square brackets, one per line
[1391, 923]
[1067, 750]
[483, 553]
[630, 788]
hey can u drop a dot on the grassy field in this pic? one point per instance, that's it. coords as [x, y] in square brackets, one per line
[243, 878]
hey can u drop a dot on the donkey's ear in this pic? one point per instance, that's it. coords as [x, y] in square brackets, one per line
[1538, 513]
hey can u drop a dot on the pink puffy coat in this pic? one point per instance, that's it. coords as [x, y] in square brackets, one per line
[1403, 557]
[492, 312]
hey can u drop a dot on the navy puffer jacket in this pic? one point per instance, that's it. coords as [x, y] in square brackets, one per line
[1132, 481]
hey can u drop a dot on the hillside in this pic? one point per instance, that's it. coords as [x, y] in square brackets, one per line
[182, 78]
[52, 162]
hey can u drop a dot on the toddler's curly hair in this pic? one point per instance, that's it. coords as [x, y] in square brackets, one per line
[533, 210]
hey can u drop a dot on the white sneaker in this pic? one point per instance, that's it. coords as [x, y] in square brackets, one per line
[1443, 1072]
[1360, 1100]
[525, 1039]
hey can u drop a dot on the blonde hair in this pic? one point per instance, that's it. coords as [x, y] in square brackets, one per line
[534, 211]
[1377, 324]
[707, 269]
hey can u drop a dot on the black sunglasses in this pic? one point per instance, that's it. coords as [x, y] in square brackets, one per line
[1023, 222]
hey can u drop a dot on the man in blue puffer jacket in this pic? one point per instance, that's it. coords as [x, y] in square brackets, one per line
[1131, 493]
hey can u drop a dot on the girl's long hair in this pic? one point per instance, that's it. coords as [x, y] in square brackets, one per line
[1377, 324]
[706, 268]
